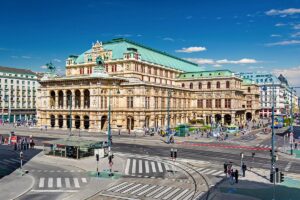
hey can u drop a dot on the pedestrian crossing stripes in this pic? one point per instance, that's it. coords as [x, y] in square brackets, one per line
[53, 183]
[54, 171]
[10, 162]
[266, 146]
[153, 191]
[137, 167]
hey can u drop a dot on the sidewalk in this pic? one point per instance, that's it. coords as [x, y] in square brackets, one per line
[257, 186]
[15, 185]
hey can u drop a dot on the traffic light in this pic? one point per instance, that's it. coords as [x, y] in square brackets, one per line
[281, 177]
[97, 157]
[277, 175]
[271, 177]
[172, 153]
[175, 154]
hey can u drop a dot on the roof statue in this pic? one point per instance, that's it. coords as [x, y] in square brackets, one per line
[51, 71]
[99, 70]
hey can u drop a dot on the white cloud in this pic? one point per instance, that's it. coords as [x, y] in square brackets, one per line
[168, 39]
[43, 67]
[56, 60]
[297, 26]
[284, 43]
[191, 49]
[218, 63]
[296, 34]
[292, 74]
[241, 61]
[26, 57]
[275, 35]
[201, 61]
[280, 24]
[289, 11]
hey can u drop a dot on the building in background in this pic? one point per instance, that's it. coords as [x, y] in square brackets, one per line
[142, 85]
[17, 94]
[282, 93]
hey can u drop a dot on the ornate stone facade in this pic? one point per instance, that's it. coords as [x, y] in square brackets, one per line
[140, 83]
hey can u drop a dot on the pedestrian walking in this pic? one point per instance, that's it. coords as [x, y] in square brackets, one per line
[231, 174]
[236, 175]
[244, 168]
[296, 145]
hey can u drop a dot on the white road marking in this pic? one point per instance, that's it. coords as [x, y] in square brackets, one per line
[127, 167]
[181, 194]
[116, 186]
[58, 182]
[123, 187]
[84, 180]
[288, 166]
[167, 167]
[133, 166]
[159, 167]
[16, 160]
[76, 182]
[50, 182]
[147, 190]
[171, 193]
[154, 191]
[217, 173]
[140, 166]
[129, 189]
[211, 171]
[205, 170]
[162, 192]
[153, 167]
[39, 170]
[147, 166]
[117, 197]
[9, 161]
[42, 182]
[199, 195]
[188, 197]
[67, 181]
[199, 169]
[139, 189]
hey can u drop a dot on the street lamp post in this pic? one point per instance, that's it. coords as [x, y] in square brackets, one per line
[291, 122]
[168, 123]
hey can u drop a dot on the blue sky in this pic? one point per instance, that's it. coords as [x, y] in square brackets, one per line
[256, 35]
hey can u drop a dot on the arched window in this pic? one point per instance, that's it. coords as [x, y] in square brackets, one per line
[227, 84]
[218, 84]
[200, 85]
[182, 85]
[208, 85]
[191, 85]
[249, 89]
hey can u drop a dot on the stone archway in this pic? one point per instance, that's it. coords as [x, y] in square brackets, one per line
[69, 99]
[218, 118]
[86, 120]
[60, 99]
[227, 119]
[52, 121]
[77, 122]
[248, 116]
[69, 122]
[60, 121]
[77, 99]
[86, 100]
[103, 121]
[52, 99]
[147, 121]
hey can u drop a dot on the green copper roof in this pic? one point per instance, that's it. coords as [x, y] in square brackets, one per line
[119, 47]
[247, 81]
[206, 74]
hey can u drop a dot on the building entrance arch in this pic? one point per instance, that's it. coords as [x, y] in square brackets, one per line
[130, 122]
[248, 116]
[103, 121]
[218, 118]
[86, 120]
[52, 121]
[60, 121]
[77, 122]
[227, 119]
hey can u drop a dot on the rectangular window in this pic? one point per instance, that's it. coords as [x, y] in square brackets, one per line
[129, 102]
[155, 102]
[227, 103]
[163, 102]
[218, 103]
[208, 103]
[200, 103]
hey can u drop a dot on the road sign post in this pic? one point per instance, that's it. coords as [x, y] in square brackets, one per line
[291, 141]
[97, 159]
[21, 161]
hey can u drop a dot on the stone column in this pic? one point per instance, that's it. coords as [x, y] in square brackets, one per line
[64, 99]
[81, 99]
[73, 99]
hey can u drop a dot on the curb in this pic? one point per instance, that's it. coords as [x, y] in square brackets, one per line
[30, 188]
